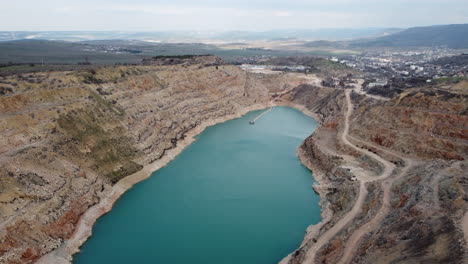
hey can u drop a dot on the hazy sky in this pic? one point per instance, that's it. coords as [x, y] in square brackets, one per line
[163, 15]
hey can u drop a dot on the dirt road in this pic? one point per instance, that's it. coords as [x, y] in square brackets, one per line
[361, 175]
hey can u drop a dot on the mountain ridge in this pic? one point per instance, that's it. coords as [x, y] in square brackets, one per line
[453, 36]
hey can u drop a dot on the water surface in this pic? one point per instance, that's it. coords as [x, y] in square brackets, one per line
[237, 195]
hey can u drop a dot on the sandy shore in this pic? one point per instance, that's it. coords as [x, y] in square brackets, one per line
[64, 253]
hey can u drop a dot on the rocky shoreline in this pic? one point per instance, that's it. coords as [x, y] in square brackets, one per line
[313, 231]
[389, 226]
[72, 143]
[84, 229]
[64, 254]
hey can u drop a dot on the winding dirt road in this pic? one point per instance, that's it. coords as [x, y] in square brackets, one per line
[361, 175]
[353, 241]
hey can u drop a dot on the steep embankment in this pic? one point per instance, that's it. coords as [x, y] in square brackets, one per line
[409, 157]
[392, 175]
[70, 140]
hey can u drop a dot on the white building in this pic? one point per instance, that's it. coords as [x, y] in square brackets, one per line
[378, 82]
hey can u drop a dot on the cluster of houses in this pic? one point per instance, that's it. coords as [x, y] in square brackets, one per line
[424, 64]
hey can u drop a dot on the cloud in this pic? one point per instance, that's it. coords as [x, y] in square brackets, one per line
[151, 9]
[282, 14]
[156, 15]
[64, 9]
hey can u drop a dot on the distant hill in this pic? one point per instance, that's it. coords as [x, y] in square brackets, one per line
[452, 36]
[195, 36]
[96, 52]
[36, 51]
[329, 34]
[58, 52]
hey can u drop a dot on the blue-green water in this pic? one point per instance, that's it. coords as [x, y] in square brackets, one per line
[237, 195]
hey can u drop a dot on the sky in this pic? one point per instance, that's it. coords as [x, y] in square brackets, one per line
[225, 15]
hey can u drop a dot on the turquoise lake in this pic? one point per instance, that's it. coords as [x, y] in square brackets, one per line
[238, 194]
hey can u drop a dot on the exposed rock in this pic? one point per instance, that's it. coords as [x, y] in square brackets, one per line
[69, 149]
[427, 203]
[64, 145]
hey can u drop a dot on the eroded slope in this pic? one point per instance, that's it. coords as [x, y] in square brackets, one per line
[415, 214]
[68, 137]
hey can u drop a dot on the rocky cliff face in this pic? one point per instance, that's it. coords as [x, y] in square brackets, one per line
[415, 215]
[422, 122]
[67, 137]
[428, 203]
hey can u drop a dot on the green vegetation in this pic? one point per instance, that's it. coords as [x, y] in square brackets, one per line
[32, 54]
[105, 104]
[179, 56]
[128, 169]
[454, 79]
[110, 152]
[7, 70]
[79, 126]
[51, 52]
[97, 129]
[90, 78]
